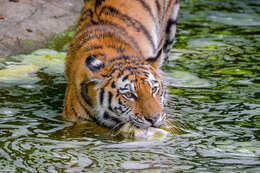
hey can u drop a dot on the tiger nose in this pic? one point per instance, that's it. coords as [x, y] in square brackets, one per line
[153, 119]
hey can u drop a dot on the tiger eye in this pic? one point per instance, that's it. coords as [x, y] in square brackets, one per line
[154, 90]
[129, 95]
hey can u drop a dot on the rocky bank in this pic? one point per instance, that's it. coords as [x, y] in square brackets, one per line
[26, 25]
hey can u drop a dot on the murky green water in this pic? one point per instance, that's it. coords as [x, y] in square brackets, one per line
[214, 94]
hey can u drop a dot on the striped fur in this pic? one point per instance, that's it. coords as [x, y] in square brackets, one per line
[113, 61]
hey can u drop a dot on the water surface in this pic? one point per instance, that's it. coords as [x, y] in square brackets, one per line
[213, 76]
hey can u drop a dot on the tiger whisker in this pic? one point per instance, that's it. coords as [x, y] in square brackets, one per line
[117, 125]
[114, 131]
[132, 132]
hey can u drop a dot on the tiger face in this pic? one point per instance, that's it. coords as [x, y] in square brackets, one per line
[133, 93]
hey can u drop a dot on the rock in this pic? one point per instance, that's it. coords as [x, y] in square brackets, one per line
[28, 25]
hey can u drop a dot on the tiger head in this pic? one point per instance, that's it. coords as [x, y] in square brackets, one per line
[126, 90]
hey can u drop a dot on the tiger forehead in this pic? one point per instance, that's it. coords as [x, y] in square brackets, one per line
[141, 78]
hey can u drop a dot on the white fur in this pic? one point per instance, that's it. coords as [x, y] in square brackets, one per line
[175, 11]
[96, 63]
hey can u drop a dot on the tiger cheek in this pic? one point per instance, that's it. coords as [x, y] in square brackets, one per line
[130, 103]
[136, 107]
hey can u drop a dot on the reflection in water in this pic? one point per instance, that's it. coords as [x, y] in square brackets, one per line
[216, 117]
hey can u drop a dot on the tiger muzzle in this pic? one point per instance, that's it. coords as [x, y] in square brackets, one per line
[156, 120]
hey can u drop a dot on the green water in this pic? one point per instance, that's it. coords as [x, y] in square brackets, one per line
[213, 76]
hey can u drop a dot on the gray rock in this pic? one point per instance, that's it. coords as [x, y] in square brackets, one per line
[26, 25]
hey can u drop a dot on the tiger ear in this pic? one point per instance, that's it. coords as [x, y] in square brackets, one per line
[157, 60]
[94, 67]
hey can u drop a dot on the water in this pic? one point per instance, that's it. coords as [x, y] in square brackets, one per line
[213, 94]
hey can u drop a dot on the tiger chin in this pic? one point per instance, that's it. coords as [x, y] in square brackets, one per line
[112, 65]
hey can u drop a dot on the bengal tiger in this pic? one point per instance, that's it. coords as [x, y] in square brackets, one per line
[112, 65]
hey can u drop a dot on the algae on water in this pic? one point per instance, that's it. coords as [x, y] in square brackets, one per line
[25, 65]
[50, 60]
[185, 80]
[18, 73]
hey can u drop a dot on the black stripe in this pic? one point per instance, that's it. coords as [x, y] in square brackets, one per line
[77, 115]
[108, 117]
[138, 26]
[89, 35]
[108, 27]
[120, 102]
[123, 57]
[93, 47]
[146, 73]
[152, 59]
[130, 69]
[98, 3]
[123, 36]
[117, 47]
[168, 43]
[134, 62]
[96, 33]
[169, 25]
[89, 28]
[83, 39]
[84, 94]
[87, 31]
[122, 89]
[110, 95]
[148, 8]
[85, 109]
[113, 71]
[113, 85]
[158, 7]
[101, 96]
[125, 78]
[117, 93]
[86, 13]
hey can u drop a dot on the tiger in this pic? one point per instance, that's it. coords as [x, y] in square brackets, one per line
[113, 62]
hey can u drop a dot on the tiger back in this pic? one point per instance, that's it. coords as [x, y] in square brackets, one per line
[112, 66]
